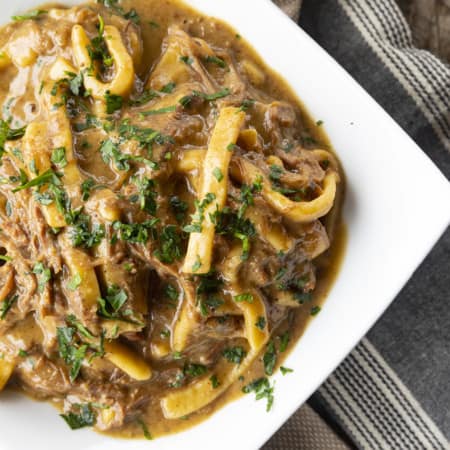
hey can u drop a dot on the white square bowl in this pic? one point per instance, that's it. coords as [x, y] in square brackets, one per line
[393, 221]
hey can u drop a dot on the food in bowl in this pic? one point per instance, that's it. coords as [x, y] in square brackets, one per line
[169, 214]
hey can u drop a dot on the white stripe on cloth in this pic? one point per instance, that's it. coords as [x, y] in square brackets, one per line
[416, 78]
[375, 407]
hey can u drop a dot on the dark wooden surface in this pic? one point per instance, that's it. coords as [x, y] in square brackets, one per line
[430, 24]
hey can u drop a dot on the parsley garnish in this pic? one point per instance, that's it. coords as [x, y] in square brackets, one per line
[136, 233]
[284, 341]
[194, 370]
[197, 219]
[261, 323]
[168, 88]
[59, 157]
[86, 187]
[196, 266]
[285, 370]
[315, 310]
[270, 358]
[247, 104]
[74, 282]
[215, 383]
[85, 235]
[262, 389]
[29, 16]
[187, 60]
[170, 245]
[9, 134]
[111, 305]
[234, 354]
[48, 176]
[6, 305]
[44, 275]
[155, 112]
[145, 430]
[246, 297]
[113, 102]
[218, 175]
[215, 60]
[85, 418]
[147, 194]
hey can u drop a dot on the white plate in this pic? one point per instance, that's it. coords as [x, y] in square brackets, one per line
[393, 221]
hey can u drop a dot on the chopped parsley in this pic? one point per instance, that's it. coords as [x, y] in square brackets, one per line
[215, 383]
[113, 102]
[71, 350]
[234, 354]
[48, 176]
[210, 303]
[145, 430]
[74, 283]
[187, 60]
[218, 175]
[44, 275]
[217, 61]
[86, 187]
[262, 388]
[194, 370]
[197, 219]
[136, 233]
[32, 15]
[270, 358]
[169, 245]
[84, 234]
[168, 88]
[247, 104]
[6, 305]
[146, 96]
[246, 297]
[9, 134]
[85, 417]
[261, 323]
[59, 157]
[315, 310]
[196, 266]
[147, 194]
[284, 341]
[154, 112]
[285, 370]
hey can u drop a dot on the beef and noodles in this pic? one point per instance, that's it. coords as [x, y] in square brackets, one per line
[169, 215]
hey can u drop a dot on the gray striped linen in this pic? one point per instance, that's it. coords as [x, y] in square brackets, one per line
[374, 397]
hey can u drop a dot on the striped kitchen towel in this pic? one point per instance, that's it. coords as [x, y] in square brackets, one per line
[392, 391]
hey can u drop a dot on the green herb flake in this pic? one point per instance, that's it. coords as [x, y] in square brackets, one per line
[284, 342]
[6, 305]
[86, 417]
[270, 358]
[245, 297]
[218, 175]
[187, 60]
[44, 275]
[32, 15]
[196, 266]
[168, 88]
[74, 282]
[234, 354]
[217, 61]
[155, 112]
[145, 430]
[315, 310]
[215, 383]
[113, 102]
[285, 370]
[59, 157]
[261, 323]
[194, 370]
[23, 354]
[262, 388]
